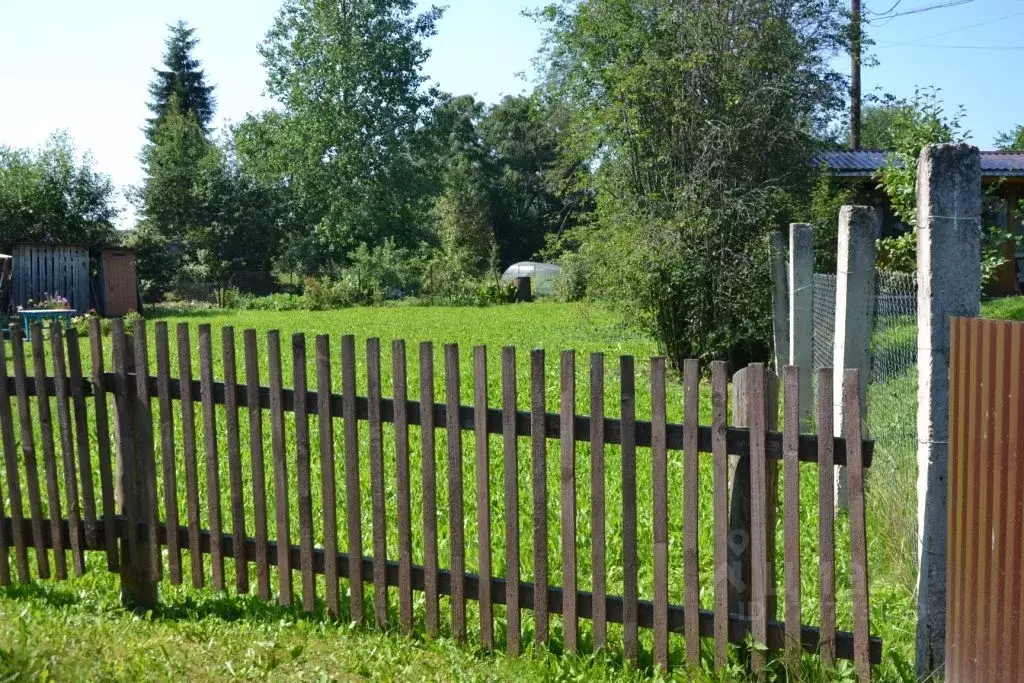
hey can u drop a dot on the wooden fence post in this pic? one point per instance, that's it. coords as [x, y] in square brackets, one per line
[740, 588]
[134, 440]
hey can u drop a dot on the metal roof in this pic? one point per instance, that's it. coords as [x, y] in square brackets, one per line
[864, 163]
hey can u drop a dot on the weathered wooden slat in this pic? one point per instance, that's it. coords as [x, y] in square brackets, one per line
[510, 448]
[325, 424]
[146, 465]
[627, 393]
[284, 565]
[227, 341]
[791, 511]
[379, 511]
[213, 509]
[858, 532]
[81, 418]
[352, 504]
[691, 507]
[429, 472]
[102, 441]
[399, 381]
[570, 620]
[455, 492]
[124, 436]
[826, 522]
[63, 396]
[170, 475]
[539, 478]
[597, 499]
[483, 496]
[719, 417]
[758, 515]
[259, 482]
[188, 438]
[659, 478]
[304, 491]
[11, 470]
[45, 421]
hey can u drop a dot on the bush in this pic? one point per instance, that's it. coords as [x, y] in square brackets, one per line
[572, 284]
[274, 302]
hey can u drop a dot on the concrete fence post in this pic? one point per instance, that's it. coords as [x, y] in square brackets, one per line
[859, 227]
[948, 285]
[780, 300]
[801, 314]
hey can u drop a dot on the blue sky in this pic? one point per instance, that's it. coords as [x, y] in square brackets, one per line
[85, 66]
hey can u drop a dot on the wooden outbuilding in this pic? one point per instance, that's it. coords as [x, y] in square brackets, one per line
[117, 290]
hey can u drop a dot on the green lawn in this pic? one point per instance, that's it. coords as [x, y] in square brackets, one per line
[75, 630]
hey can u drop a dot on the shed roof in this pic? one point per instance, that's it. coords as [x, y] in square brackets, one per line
[864, 163]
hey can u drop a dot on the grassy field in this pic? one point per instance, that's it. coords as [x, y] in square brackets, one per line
[76, 629]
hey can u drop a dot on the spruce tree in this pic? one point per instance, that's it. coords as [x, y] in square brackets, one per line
[182, 78]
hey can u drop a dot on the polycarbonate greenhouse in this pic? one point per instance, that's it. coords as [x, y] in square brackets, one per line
[542, 275]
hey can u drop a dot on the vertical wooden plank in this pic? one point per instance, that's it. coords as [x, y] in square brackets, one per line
[758, 515]
[691, 509]
[163, 393]
[510, 447]
[400, 393]
[483, 495]
[659, 478]
[49, 456]
[302, 472]
[455, 493]
[858, 533]
[597, 499]
[325, 423]
[538, 467]
[28, 452]
[627, 389]
[568, 478]
[380, 547]
[63, 395]
[11, 468]
[188, 438]
[77, 388]
[102, 442]
[719, 417]
[213, 510]
[791, 512]
[826, 521]
[429, 470]
[124, 437]
[227, 341]
[352, 506]
[284, 563]
[144, 438]
[259, 483]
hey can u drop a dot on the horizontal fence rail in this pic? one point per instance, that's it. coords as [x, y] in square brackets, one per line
[172, 434]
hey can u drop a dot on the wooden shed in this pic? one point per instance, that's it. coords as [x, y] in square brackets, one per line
[118, 290]
[47, 269]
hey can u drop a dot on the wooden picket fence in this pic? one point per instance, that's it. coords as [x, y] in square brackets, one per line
[127, 508]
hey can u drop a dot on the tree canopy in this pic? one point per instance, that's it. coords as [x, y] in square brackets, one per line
[181, 81]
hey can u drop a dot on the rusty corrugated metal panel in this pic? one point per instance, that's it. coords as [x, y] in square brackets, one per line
[985, 603]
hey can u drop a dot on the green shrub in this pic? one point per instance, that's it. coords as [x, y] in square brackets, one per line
[274, 302]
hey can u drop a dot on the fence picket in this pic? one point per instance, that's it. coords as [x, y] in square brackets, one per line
[400, 390]
[259, 483]
[45, 421]
[597, 499]
[284, 561]
[213, 510]
[429, 469]
[163, 393]
[380, 542]
[227, 339]
[304, 492]
[11, 470]
[63, 395]
[627, 389]
[455, 493]
[826, 522]
[77, 388]
[691, 509]
[102, 442]
[325, 424]
[352, 507]
[188, 437]
[659, 477]
[791, 512]
[483, 495]
[511, 476]
[719, 417]
[144, 435]
[124, 437]
[538, 465]
[570, 620]
[758, 516]
[858, 534]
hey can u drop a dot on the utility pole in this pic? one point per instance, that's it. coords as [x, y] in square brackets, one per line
[855, 41]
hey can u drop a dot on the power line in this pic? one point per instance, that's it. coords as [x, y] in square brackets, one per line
[925, 8]
[955, 30]
[959, 47]
[888, 11]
